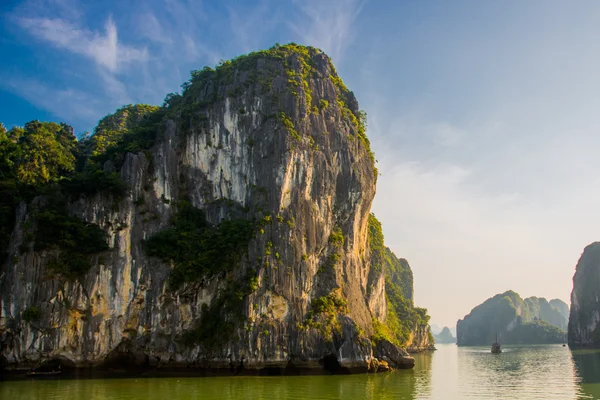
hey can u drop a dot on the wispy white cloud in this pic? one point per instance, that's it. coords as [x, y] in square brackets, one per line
[327, 25]
[152, 29]
[114, 88]
[102, 48]
[196, 50]
[71, 105]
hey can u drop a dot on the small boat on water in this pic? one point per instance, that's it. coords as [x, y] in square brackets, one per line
[496, 347]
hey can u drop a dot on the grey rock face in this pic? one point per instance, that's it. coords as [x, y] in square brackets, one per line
[232, 147]
[421, 340]
[584, 319]
[393, 355]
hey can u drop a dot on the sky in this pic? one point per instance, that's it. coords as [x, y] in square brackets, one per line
[483, 115]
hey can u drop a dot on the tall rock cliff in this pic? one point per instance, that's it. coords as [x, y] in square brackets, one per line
[513, 320]
[584, 319]
[400, 321]
[235, 224]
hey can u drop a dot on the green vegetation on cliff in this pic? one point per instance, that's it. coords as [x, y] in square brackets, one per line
[509, 316]
[135, 128]
[218, 320]
[397, 270]
[561, 307]
[323, 314]
[31, 314]
[197, 248]
[232, 77]
[41, 160]
[131, 129]
[535, 332]
[75, 239]
[46, 152]
[551, 312]
[112, 128]
[403, 317]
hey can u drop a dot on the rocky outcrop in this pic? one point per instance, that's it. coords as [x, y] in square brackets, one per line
[421, 339]
[394, 355]
[584, 319]
[273, 138]
[512, 320]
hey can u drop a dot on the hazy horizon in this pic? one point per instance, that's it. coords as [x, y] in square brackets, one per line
[482, 115]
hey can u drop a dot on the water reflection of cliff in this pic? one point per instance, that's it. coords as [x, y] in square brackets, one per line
[587, 368]
[422, 371]
[406, 384]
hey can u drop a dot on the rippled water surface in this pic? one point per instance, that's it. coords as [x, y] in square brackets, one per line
[528, 372]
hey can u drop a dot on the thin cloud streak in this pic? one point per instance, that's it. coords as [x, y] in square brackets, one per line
[104, 49]
[249, 27]
[152, 29]
[71, 105]
[327, 24]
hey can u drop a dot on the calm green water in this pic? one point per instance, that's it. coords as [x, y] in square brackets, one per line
[530, 372]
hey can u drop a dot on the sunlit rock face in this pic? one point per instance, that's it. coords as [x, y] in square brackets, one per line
[229, 151]
[584, 319]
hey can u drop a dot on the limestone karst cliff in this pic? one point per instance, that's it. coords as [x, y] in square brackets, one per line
[584, 319]
[227, 227]
[513, 320]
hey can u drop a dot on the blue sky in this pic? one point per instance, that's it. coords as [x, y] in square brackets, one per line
[483, 115]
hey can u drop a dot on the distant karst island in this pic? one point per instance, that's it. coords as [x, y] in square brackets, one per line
[445, 336]
[514, 320]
